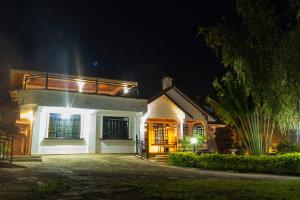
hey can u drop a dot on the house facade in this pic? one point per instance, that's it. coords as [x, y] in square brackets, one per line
[63, 114]
[171, 115]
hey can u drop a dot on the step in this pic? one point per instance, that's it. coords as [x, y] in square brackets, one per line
[33, 158]
[161, 156]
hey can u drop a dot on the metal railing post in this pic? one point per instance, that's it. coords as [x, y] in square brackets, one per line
[97, 86]
[46, 83]
[12, 149]
[147, 149]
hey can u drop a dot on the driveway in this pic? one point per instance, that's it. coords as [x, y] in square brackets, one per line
[90, 176]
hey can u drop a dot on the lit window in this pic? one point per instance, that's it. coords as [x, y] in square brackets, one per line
[160, 133]
[198, 131]
[62, 126]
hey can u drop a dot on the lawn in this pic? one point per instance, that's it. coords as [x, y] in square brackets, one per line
[119, 177]
[219, 189]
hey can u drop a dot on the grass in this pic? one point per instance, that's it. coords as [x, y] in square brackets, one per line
[218, 189]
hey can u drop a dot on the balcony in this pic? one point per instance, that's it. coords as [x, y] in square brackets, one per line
[47, 81]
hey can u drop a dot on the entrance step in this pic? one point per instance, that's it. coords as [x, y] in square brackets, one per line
[23, 158]
[161, 159]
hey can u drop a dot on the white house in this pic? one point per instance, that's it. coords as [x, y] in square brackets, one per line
[63, 114]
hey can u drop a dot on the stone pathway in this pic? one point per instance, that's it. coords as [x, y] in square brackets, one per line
[96, 176]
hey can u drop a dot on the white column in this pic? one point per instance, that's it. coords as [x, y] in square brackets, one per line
[92, 138]
[36, 132]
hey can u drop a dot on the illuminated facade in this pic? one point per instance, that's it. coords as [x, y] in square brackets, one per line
[62, 114]
[171, 116]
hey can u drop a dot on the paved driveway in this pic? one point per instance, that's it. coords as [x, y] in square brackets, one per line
[88, 176]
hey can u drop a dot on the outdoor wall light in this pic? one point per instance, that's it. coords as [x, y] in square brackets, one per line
[80, 85]
[194, 141]
[126, 90]
[27, 115]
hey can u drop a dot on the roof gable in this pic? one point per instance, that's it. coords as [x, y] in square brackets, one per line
[183, 102]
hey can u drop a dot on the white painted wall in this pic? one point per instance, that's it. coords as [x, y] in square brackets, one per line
[163, 108]
[91, 132]
[41, 144]
[80, 100]
[118, 146]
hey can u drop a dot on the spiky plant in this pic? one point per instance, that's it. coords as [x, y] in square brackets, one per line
[236, 107]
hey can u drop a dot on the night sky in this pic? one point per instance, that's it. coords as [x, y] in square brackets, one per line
[131, 40]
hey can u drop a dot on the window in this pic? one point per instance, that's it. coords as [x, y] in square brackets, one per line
[62, 126]
[160, 133]
[115, 128]
[185, 129]
[146, 130]
[198, 131]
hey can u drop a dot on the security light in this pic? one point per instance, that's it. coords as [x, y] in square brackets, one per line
[27, 115]
[80, 85]
[126, 90]
[194, 140]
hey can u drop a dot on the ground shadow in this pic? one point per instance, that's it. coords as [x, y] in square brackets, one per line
[5, 164]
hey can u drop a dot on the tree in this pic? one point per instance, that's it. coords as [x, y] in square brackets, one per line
[253, 45]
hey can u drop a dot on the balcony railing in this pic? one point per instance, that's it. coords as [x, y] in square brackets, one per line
[96, 86]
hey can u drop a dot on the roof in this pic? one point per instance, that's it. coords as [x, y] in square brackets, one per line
[164, 92]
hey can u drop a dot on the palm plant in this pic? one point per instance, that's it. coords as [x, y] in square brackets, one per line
[237, 108]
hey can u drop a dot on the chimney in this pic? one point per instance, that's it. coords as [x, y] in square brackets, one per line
[167, 82]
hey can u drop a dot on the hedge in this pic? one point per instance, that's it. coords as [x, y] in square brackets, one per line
[280, 164]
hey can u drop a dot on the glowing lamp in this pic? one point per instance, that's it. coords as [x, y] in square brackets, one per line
[194, 140]
[27, 115]
[80, 85]
[126, 90]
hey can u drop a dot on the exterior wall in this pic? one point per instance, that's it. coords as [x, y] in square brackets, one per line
[80, 100]
[43, 145]
[91, 133]
[163, 108]
[91, 108]
[118, 146]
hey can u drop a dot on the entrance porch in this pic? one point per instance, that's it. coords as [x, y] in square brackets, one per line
[162, 135]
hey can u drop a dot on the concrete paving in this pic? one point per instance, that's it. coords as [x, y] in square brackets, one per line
[96, 176]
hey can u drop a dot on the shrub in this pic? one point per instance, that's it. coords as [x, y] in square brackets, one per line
[280, 164]
[288, 146]
[185, 144]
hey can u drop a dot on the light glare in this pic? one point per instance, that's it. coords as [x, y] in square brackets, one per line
[193, 140]
[80, 85]
[126, 90]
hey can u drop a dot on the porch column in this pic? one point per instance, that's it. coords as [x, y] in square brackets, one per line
[180, 135]
[92, 138]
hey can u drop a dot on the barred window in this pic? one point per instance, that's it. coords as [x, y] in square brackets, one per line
[115, 128]
[61, 126]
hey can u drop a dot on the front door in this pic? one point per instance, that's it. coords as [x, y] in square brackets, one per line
[162, 135]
